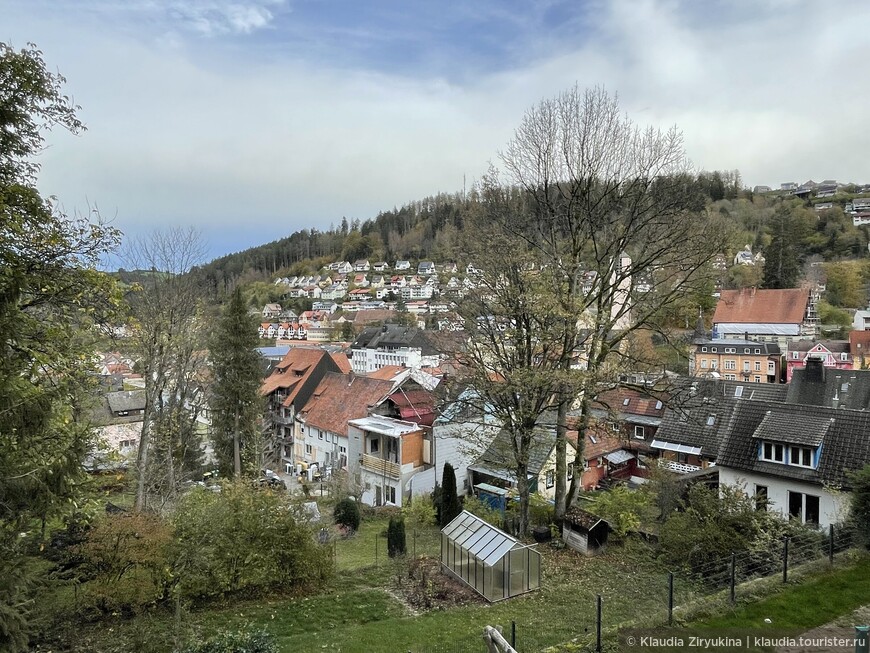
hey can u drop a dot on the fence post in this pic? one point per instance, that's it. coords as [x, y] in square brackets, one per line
[785, 560]
[598, 627]
[733, 576]
[513, 634]
[670, 598]
[831, 544]
[377, 537]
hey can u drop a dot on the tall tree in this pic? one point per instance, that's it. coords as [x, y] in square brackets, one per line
[167, 334]
[53, 302]
[450, 505]
[782, 265]
[237, 372]
[611, 225]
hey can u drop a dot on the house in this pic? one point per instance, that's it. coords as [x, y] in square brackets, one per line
[796, 459]
[745, 360]
[746, 257]
[449, 268]
[362, 266]
[324, 306]
[635, 414]
[471, 269]
[861, 321]
[834, 354]
[287, 389]
[322, 421]
[126, 403]
[381, 266]
[789, 186]
[494, 466]
[268, 330]
[761, 189]
[766, 315]
[859, 347]
[697, 417]
[410, 293]
[368, 316]
[377, 281]
[426, 268]
[386, 454]
[823, 206]
[271, 310]
[344, 267]
[392, 344]
[402, 265]
[605, 457]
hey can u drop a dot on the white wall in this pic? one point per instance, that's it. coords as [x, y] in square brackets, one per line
[833, 507]
[457, 444]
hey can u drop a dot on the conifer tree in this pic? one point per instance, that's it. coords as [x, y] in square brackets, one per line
[450, 504]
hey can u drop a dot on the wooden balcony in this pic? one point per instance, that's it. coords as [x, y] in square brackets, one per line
[381, 467]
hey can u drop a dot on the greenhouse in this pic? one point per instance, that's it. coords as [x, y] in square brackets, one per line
[492, 562]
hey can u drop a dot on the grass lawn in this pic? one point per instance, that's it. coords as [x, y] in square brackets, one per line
[810, 603]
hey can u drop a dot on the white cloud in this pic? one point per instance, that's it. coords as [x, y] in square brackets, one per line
[277, 144]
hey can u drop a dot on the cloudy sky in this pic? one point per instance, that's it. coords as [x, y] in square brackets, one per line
[251, 119]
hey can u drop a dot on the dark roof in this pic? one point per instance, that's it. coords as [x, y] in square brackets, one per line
[845, 445]
[126, 400]
[499, 456]
[695, 402]
[579, 517]
[833, 346]
[393, 335]
[821, 386]
[778, 426]
[742, 346]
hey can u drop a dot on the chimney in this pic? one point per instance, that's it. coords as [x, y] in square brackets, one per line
[815, 370]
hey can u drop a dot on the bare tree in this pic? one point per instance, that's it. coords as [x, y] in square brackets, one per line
[167, 331]
[612, 228]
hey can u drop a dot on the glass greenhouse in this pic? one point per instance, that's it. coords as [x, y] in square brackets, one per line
[492, 562]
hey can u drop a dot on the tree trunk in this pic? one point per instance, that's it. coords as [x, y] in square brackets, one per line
[579, 458]
[561, 459]
[237, 449]
[523, 489]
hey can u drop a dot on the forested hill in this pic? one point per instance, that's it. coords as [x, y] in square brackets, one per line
[425, 229]
[431, 229]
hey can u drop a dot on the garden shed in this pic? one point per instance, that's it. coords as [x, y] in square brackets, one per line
[584, 532]
[493, 563]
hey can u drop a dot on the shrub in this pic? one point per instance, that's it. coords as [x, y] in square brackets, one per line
[128, 558]
[347, 514]
[450, 504]
[243, 539]
[482, 509]
[419, 511]
[240, 641]
[396, 545]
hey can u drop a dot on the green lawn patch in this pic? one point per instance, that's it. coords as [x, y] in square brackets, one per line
[811, 602]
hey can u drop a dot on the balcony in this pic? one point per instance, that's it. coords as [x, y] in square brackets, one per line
[277, 417]
[381, 467]
[679, 468]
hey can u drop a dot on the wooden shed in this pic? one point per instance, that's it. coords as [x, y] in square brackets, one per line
[584, 532]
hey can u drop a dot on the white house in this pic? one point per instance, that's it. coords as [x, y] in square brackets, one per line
[392, 344]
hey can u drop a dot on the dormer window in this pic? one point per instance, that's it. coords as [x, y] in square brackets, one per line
[773, 452]
[801, 456]
[711, 419]
[703, 349]
[625, 402]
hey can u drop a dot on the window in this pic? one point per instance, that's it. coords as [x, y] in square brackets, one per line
[795, 355]
[307, 449]
[334, 439]
[730, 350]
[703, 363]
[773, 452]
[730, 365]
[761, 497]
[550, 478]
[730, 377]
[570, 471]
[803, 507]
[390, 493]
[844, 356]
[713, 349]
[713, 364]
[745, 366]
[320, 435]
[801, 456]
[757, 366]
[703, 349]
[625, 401]
[757, 379]
[615, 427]
[757, 351]
[658, 405]
[374, 446]
[639, 432]
[711, 419]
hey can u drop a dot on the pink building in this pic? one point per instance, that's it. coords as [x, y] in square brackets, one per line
[834, 354]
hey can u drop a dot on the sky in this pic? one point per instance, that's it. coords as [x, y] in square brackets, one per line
[252, 119]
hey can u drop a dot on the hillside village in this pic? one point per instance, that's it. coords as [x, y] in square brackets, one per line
[603, 391]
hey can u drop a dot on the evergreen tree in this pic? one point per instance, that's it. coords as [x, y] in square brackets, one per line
[450, 504]
[782, 266]
[235, 400]
[396, 542]
[52, 299]
[859, 513]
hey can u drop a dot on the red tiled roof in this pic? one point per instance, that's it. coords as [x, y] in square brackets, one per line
[598, 442]
[293, 368]
[748, 305]
[638, 403]
[387, 372]
[415, 406]
[342, 397]
[340, 359]
[373, 315]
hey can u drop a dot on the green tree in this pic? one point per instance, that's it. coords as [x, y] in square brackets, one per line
[396, 543]
[845, 283]
[346, 513]
[53, 301]
[450, 504]
[859, 506]
[236, 406]
[782, 266]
